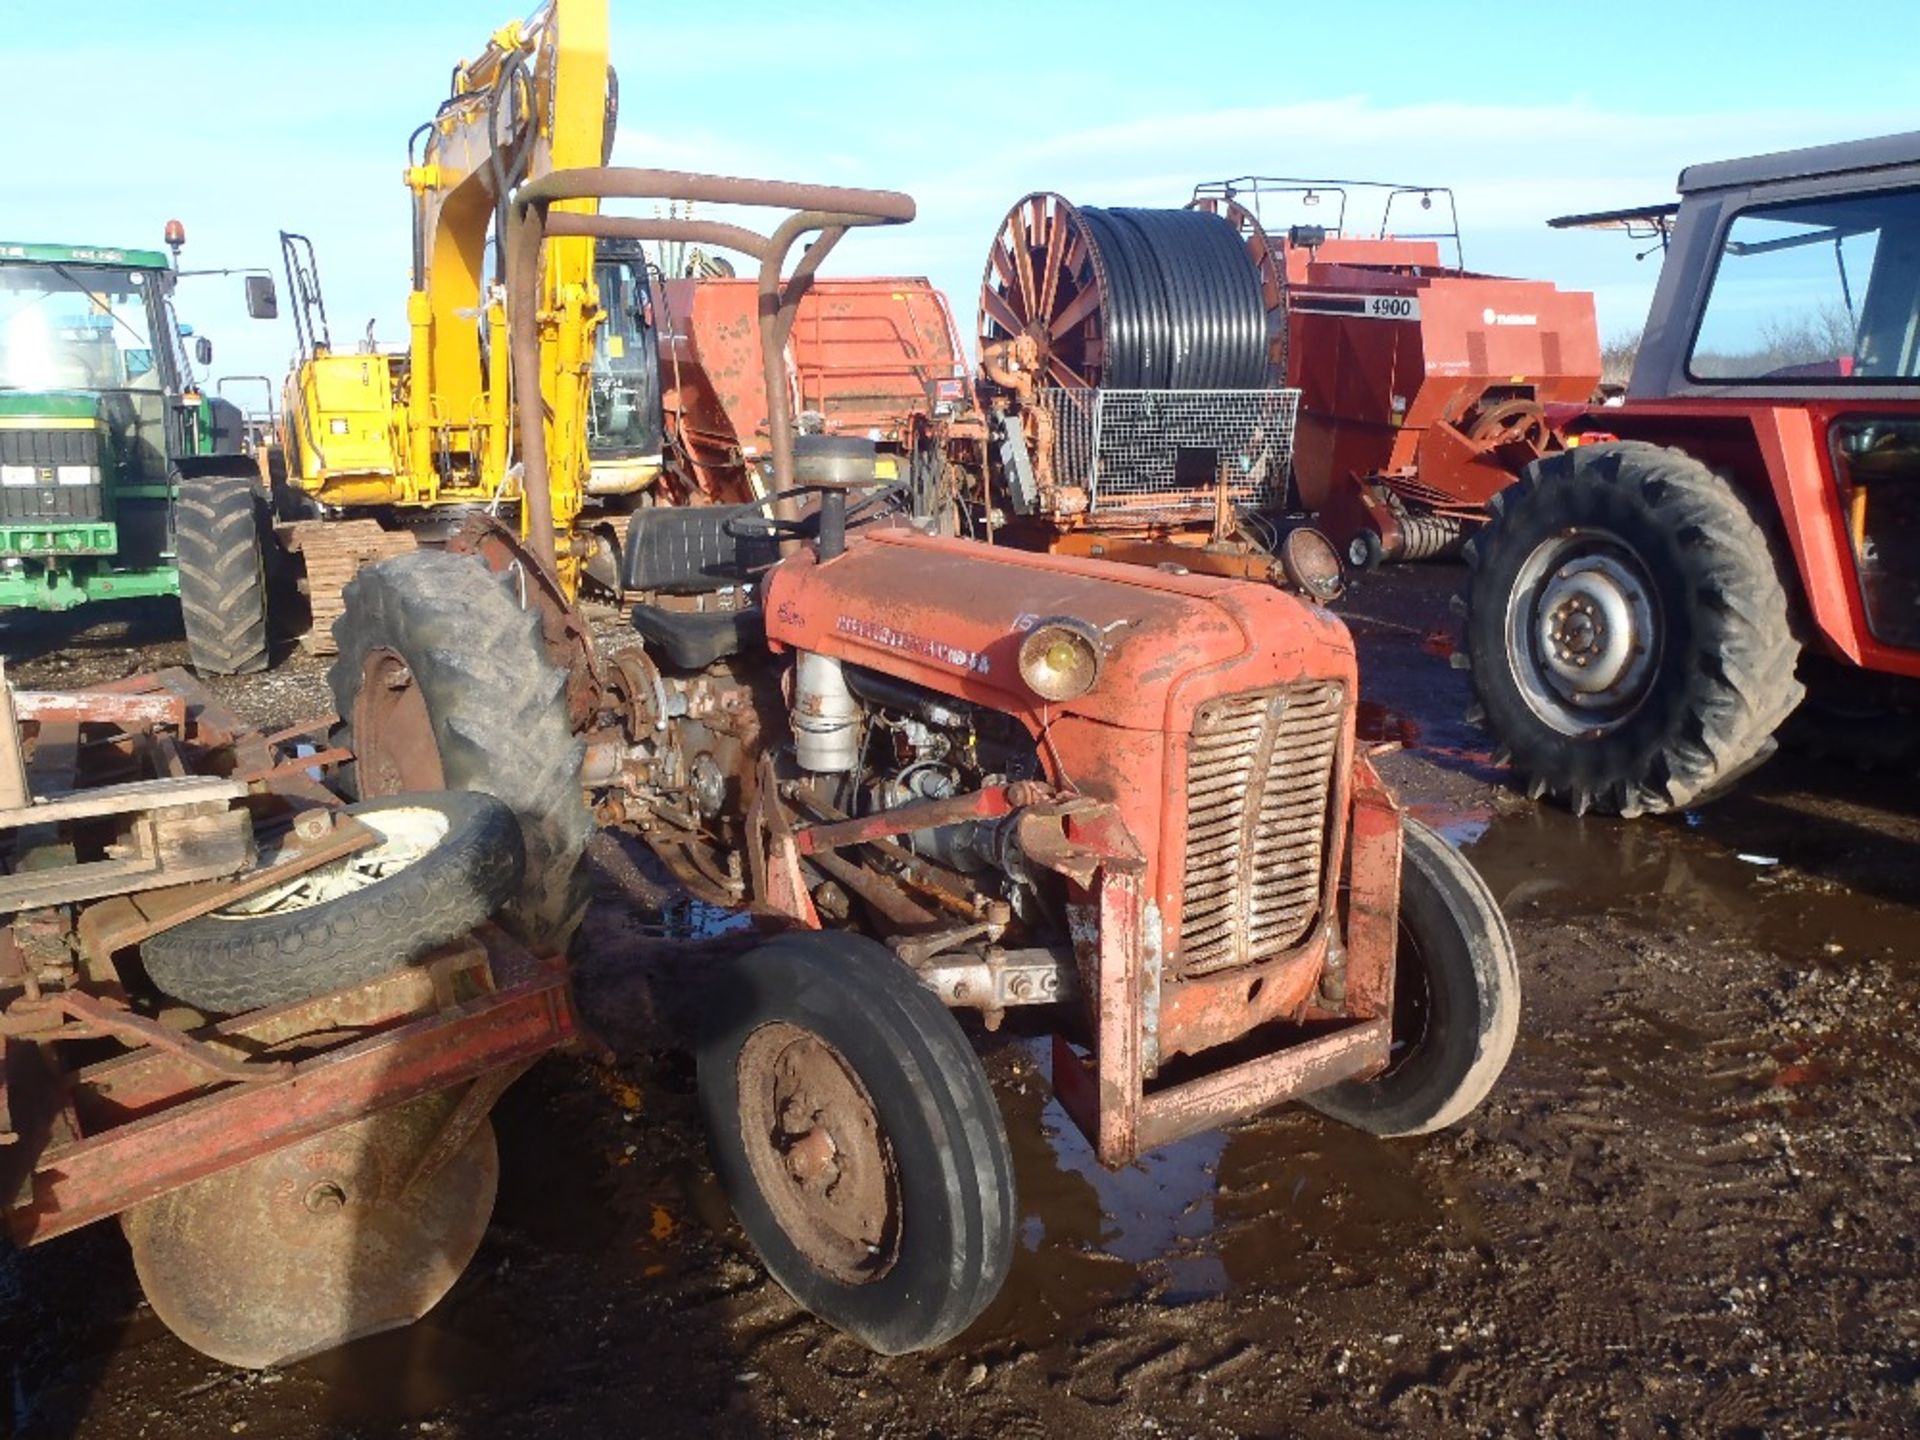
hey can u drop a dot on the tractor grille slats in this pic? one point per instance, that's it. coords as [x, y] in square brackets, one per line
[1259, 773]
[44, 452]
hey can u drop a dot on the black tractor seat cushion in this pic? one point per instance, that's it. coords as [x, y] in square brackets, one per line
[695, 639]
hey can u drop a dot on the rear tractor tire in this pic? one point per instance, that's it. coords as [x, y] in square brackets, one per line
[443, 683]
[223, 581]
[853, 1129]
[1627, 630]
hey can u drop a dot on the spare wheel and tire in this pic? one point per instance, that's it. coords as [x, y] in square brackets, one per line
[442, 864]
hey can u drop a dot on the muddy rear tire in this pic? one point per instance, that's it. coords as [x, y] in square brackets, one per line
[1627, 630]
[853, 1130]
[444, 683]
[223, 581]
[1456, 1001]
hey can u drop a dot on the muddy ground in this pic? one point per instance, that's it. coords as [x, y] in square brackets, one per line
[1686, 1210]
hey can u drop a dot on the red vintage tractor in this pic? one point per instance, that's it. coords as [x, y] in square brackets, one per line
[946, 776]
[1644, 607]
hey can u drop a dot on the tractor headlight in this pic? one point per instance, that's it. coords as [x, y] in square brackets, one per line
[1312, 565]
[16, 474]
[1060, 658]
[78, 474]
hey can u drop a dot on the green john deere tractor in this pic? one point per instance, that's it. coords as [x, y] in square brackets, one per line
[119, 477]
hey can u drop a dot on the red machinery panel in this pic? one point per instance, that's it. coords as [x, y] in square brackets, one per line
[871, 357]
[1384, 342]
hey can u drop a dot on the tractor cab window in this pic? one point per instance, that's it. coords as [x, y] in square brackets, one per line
[69, 327]
[1819, 290]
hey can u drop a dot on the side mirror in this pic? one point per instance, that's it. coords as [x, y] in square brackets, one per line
[262, 302]
[203, 351]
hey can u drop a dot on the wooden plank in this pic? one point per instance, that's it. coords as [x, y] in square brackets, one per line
[125, 799]
[206, 858]
[66, 884]
[127, 711]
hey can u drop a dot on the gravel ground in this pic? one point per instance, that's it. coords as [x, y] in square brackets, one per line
[1685, 1211]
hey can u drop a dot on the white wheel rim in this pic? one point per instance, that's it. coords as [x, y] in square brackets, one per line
[1584, 632]
[407, 834]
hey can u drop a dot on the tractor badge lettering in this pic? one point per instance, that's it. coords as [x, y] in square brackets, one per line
[915, 644]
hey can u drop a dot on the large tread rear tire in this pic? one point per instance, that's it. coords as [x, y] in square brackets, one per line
[953, 1236]
[223, 582]
[1723, 678]
[496, 706]
[230, 961]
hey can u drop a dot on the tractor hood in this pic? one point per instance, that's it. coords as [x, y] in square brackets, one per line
[951, 614]
[66, 406]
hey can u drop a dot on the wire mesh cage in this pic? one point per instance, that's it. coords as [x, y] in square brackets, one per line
[1161, 453]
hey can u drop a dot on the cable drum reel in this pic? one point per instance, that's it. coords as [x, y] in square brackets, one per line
[1089, 316]
[1129, 299]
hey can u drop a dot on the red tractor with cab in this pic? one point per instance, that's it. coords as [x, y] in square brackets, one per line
[1647, 607]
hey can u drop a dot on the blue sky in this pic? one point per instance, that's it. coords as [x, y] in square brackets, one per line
[272, 115]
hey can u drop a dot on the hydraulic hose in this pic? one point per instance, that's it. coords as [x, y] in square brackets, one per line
[1180, 301]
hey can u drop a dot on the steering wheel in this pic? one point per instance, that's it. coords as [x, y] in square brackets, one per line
[770, 527]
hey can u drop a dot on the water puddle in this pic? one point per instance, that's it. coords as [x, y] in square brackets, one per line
[1275, 1202]
[685, 918]
[1755, 869]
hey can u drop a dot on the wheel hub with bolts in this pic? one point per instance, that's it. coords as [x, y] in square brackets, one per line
[1583, 623]
[814, 1140]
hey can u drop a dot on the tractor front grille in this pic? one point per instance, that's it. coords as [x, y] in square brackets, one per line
[51, 475]
[1259, 774]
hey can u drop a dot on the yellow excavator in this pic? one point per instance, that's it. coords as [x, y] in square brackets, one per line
[403, 445]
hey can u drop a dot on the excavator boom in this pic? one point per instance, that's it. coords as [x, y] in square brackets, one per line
[433, 427]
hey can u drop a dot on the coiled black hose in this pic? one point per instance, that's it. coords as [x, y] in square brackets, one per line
[1181, 307]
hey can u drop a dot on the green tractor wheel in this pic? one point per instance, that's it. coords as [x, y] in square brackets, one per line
[223, 584]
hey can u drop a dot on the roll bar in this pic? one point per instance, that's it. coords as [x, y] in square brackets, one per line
[831, 210]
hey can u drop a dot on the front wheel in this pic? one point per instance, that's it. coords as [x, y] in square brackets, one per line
[854, 1132]
[1456, 1000]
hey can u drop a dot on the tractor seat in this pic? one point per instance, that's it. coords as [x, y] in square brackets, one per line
[695, 639]
[692, 550]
